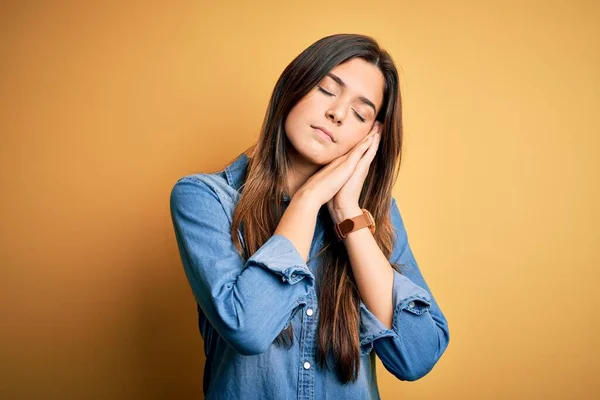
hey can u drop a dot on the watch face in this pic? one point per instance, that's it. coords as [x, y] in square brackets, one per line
[346, 226]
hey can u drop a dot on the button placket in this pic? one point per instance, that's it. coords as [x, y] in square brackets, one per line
[306, 382]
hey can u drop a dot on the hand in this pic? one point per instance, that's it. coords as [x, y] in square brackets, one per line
[344, 204]
[327, 182]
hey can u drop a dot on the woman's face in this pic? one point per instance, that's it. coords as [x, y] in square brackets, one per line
[345, 103]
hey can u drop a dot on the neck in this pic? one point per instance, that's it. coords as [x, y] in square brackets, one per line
[301, 170]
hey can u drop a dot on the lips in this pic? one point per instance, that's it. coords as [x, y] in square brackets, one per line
[325, 131]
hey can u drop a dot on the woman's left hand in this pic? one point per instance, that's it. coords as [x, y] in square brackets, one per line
[345, 202]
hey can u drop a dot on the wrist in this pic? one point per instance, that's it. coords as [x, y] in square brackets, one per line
[307, 202]
[340, 214]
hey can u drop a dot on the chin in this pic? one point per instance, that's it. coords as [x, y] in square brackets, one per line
[310, 149]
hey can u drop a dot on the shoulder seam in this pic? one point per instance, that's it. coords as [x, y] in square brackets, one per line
[205, 179]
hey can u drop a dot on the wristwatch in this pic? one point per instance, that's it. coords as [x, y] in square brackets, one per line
[363, 220]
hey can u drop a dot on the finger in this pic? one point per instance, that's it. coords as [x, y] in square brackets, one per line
[352, 158]
[376, 127]
[335, 162]
[374, 130]
[359, 150]
[365, 162]
[368, 157]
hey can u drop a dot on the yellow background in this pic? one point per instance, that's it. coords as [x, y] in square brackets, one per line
[103, 105]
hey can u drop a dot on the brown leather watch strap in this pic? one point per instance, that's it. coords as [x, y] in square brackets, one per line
[363, 220]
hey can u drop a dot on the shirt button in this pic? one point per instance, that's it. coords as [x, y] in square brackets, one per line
[411, 304]
[306, 365]
[309, 312]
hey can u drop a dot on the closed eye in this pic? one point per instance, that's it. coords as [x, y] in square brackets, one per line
[331, 94]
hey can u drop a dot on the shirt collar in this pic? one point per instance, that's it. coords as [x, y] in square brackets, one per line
[235, 173]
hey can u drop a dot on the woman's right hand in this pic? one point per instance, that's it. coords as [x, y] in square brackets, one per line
[324, 184]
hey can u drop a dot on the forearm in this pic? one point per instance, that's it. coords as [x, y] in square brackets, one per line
[372, 271]
[418, 334]
[223, 282]
[298, 223]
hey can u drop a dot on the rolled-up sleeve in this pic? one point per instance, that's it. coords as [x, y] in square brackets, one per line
[419, 334]
[248, 302]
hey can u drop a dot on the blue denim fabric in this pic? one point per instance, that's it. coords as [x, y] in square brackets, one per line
[243, 305]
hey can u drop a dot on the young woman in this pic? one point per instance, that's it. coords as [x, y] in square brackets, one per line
[296, 252]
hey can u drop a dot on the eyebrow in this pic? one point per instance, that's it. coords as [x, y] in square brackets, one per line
[361, 98]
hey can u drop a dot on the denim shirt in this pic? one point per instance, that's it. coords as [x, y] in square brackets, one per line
[243, 305]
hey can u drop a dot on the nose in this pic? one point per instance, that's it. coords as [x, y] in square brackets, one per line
[335, 118]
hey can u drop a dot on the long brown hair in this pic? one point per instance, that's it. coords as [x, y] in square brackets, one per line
[260, 206]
